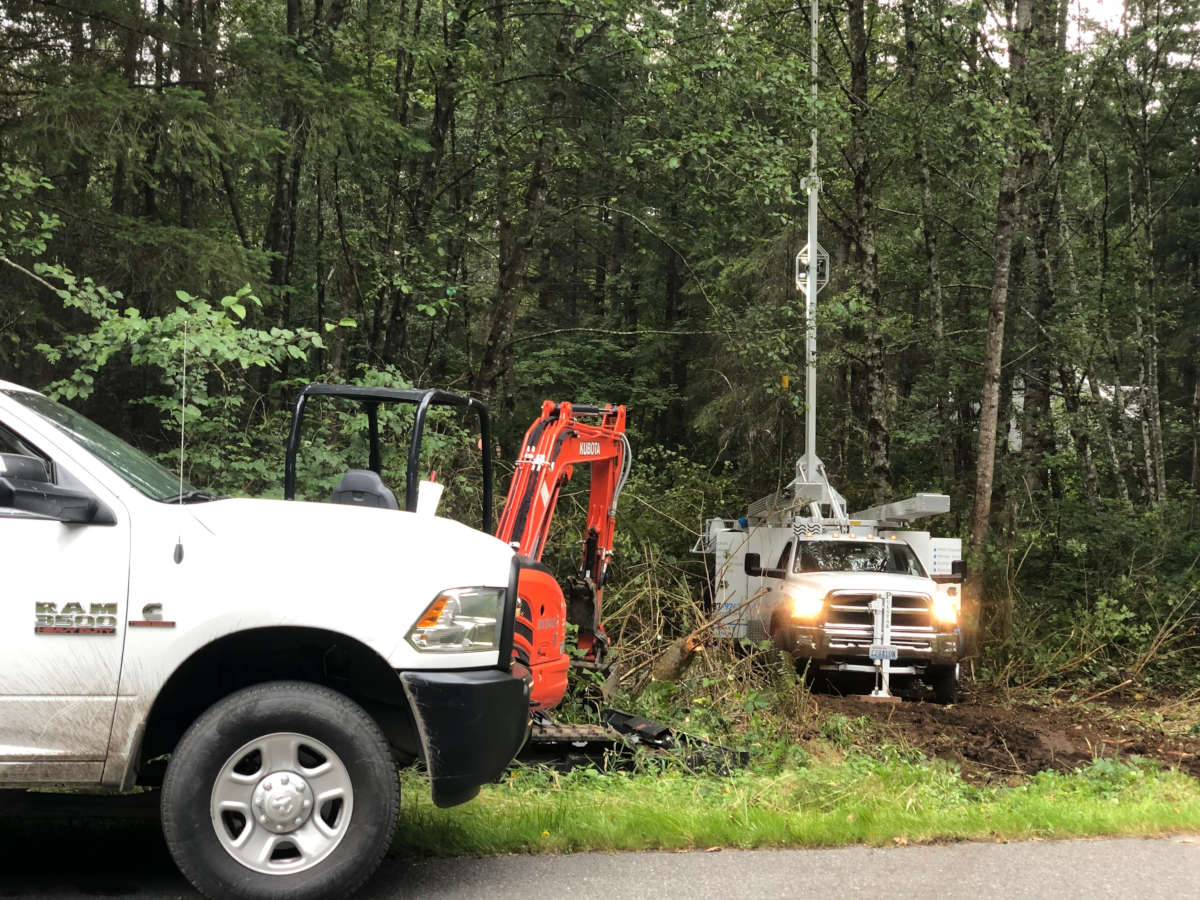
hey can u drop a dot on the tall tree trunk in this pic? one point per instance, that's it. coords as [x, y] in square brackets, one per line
[1150, 347]
[866, 255]
[1194, 289]
[1077, 425]
[1146, 375]
[131, 45]
[1045, 100]
[277, 238]
[937, 324]
[1078, 404]
[675, 419]
[1008, 206]
[1196, 431]
[518, 223]
[338, 348]
[1114, 425]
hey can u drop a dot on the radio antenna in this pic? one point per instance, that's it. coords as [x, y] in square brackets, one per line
[182, 439]
[183, 411]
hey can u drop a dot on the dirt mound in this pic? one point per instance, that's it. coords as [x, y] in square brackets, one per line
[994, 738]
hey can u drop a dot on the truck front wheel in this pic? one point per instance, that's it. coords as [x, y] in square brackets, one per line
[284, 789]
[945, 683]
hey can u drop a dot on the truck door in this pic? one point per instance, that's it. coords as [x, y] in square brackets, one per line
[729, 584]
[62, 626]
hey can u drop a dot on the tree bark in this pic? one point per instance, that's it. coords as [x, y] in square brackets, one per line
[936, 303]
[1008, 205]
[866, 255]
[517, 229]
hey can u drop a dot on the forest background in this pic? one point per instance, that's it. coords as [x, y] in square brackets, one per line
[600, 200]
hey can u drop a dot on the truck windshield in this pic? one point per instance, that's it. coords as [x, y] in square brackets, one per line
[857, 556]
[153, 480]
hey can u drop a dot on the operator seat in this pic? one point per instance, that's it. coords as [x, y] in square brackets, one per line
[362, 487]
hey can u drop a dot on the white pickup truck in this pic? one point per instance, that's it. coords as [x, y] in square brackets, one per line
[817, 604]
[844, 594]
[277, 657]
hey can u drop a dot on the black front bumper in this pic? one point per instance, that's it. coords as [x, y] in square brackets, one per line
[471, 725]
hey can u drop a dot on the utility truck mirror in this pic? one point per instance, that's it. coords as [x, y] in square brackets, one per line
[959, 568]
[753, 564]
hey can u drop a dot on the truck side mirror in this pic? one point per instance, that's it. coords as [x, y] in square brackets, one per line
[753, 564]
[27, 468]
[959, 568]
[26, 486]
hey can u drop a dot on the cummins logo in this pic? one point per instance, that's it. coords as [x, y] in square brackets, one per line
[98, 618]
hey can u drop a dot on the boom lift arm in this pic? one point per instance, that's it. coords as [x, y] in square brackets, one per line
[558, 441]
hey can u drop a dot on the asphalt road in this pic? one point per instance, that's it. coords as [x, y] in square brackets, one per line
[121, 855]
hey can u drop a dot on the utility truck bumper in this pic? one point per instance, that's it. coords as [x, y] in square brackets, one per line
[842, 644]
[471, 725]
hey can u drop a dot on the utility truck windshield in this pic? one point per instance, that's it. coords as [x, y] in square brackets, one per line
[857, 556]
[153, 480]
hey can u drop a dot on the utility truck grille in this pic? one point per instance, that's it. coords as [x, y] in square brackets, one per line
[851, 608]
[849, 623]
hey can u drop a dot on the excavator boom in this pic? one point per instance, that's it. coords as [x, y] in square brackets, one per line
[564, 436]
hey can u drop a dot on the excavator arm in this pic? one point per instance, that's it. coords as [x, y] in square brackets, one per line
[564, 436]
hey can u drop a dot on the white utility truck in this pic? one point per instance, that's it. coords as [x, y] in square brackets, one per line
[277, 658]
[838, 592]
[842, 593]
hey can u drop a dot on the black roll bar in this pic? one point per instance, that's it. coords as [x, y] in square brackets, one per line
[370, 398]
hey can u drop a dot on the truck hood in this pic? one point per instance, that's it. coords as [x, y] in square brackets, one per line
[364, 535]
[864, 582]
[369, 573]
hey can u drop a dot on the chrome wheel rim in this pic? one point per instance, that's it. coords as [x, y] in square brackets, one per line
[282, 803]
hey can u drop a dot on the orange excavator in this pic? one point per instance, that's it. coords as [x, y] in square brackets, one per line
[566, 435]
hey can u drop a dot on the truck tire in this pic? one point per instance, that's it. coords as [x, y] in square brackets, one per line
[282, 790]
[945, 684]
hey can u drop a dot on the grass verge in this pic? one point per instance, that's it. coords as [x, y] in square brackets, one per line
[896, 799]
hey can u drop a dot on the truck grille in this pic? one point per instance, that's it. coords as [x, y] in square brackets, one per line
[909, 611]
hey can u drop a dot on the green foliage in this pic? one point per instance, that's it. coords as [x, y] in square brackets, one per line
[22, 230]
[1106, 594]
[223, 360]
[603, 201]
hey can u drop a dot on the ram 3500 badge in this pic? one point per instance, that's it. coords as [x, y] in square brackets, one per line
[282, 656]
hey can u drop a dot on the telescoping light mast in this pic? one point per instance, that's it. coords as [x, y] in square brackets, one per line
[812, 274]
[810, 288]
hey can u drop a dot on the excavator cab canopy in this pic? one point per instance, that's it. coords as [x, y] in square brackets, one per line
[369, 399]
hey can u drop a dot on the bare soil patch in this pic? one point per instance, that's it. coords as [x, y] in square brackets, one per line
[995, 738]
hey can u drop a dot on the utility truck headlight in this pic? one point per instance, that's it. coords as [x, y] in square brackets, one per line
[460, 620]
[806, 603]
[946, 603]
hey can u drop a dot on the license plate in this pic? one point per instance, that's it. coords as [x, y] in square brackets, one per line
[878, 652]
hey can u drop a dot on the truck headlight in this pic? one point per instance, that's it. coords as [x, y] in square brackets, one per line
[807, 603]
[946, 603]
[460, 620]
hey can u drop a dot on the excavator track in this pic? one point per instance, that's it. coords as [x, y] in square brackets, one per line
[575, 734]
